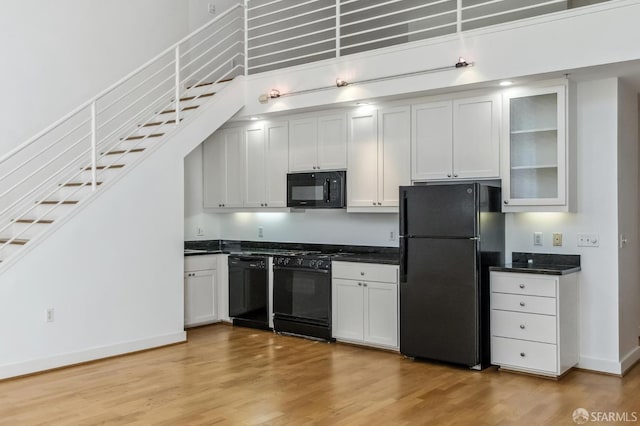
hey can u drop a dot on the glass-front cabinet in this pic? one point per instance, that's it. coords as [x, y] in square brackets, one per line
[535, 149]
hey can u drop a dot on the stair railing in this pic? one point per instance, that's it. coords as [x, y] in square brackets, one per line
[97, 135]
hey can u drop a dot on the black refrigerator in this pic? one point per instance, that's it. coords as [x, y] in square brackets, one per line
[449, 236]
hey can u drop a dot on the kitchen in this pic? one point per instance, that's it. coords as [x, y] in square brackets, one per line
[594, 189]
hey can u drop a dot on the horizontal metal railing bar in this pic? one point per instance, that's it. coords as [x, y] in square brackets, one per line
[114, 86]
[195, 46]
[473, 6]
[291, 48]
[513, 10]
[368, 7]
[299, 15]
[264, 5]
[396, 12]
[221, 78]
[284, 40]
[47, 148]
[330, 18]
[350, 46]
[197, 58]
[292, 59]
[449, 12]
[284, 9]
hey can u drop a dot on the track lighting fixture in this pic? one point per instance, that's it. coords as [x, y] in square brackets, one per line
[274, 94]
[341, 83]
[462, 63]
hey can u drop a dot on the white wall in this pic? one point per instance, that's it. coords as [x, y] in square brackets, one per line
[59, 54]
[199, 11]
[628, 224]
[597, 190]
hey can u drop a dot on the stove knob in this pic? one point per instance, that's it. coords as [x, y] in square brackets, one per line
[286, 260]
[318, 264]
[312, 263]
[300, 261]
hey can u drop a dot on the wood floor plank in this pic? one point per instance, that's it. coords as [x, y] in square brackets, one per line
[231, 375]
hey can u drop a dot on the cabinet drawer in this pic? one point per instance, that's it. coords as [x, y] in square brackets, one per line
[523, 284]
[524, 355]
[522, 303]
[364, 271]
[200, 263]
[539, 328]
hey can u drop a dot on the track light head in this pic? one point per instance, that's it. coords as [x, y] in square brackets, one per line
[462, 63]
[274, 94]
[341, 83]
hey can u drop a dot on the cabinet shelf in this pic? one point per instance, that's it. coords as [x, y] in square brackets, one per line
[535, 167]
[528, 131]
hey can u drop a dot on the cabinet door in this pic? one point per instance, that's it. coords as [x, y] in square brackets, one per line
[254, 187]
[431, 141]
[234, 174]
[362, 176]
[214, 166]
[332, 142]
[348, 310]
[200, 297]
[276, 164]
[394, 136]
[476, 137]
[534, 122]
[381, 313]
[303, 145]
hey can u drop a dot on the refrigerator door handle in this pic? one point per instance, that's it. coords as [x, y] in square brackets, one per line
[403, 259]
[403, 213]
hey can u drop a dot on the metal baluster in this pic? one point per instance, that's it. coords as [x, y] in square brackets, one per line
[94, 138]
[177, 85]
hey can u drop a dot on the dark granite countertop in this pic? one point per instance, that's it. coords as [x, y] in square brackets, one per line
[541, 263]
[343, 253]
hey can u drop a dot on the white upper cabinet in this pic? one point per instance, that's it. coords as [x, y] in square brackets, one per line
[318, 143]
[222, 169]
[456, 139]
[266, 146]
[378, 153]
[535, 172]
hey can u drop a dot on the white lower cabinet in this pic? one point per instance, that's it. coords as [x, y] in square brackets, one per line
[534, 322]
[365, 304]
[200, 288]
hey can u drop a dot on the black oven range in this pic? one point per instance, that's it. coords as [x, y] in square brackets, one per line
[302, 295]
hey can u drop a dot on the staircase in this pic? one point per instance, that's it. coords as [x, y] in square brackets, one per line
[49, 177]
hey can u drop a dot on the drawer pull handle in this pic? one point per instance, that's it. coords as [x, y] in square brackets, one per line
[522, 304]
[362, 273]
[521, 326]
[522, 354]
[521, 285]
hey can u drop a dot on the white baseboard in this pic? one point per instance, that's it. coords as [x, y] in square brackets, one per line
[62, 360]
[630, 359]
[600, 365]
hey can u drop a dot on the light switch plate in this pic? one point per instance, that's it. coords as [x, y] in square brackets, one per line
[537, 238]
[588, 240]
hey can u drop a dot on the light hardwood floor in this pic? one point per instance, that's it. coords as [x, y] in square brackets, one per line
[232, 375]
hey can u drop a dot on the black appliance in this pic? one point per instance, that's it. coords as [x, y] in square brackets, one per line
[316, 190]
[449, 236]
[249, 291]
[302, 295]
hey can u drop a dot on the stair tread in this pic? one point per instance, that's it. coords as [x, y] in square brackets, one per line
[17, 241]
[42, 221]
[80, 183]
[170, 111]
[190, 98]
[160, 123]
[135, 138]
[123, 151]
[113, 166]
[49, 202]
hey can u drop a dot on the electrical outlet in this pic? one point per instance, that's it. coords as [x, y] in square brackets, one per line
[50, 315]
[200, 232]
[588, 240]
[212, 8]
[557, 239]
[392, 236]
[260, 232]
[537, 238]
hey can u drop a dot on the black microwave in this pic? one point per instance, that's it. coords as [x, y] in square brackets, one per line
[324, 190]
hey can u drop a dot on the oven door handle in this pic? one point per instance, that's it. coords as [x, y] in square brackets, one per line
[293, 268]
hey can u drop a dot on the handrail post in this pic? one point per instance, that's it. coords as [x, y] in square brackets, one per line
[337, 28]
[177, 84]
[94, 138]
[459, 17]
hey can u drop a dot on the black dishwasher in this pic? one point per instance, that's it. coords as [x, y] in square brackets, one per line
[249, 291]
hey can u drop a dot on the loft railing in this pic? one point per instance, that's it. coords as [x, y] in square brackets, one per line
[284, 33]
[74, 151]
